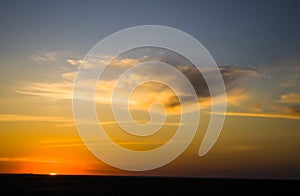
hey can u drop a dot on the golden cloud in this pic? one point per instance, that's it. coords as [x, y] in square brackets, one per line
[261, 115]
[290, 98]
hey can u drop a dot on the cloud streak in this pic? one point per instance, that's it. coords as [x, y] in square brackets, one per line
[237, 98]
[260, 115]
[290, 98]
[75, 62]
[44, 56]
[145, 95]
[23, 159]
[31, 118]
[54, 90]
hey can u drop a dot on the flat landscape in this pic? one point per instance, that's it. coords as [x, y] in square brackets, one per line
[21, 184]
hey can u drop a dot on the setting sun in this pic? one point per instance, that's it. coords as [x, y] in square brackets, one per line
[52, 174]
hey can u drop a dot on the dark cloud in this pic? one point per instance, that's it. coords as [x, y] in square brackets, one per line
[296, 109]
[231, 75]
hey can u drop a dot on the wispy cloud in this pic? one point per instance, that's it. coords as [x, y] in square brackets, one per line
[292, 81]
[146, 94]
[61, 144]
[31, 118]
[44, 56]
[79, 143]
[62, 121]
[75, 62]
[24, 159]
[104, 59]
[241, 70]
[290, 98]
[69, 75]
[53, 90]
[260, 115]
[239, 97]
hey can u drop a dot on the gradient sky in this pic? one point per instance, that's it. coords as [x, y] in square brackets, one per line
[255, 43]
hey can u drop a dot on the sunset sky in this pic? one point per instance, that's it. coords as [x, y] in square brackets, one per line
[256, 44]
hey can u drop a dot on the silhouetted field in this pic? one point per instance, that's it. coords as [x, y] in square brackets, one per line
[120, 185]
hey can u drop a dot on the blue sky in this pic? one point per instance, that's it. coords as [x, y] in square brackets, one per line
[241, 32]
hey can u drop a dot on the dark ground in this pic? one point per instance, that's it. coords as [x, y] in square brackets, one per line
[120, 185]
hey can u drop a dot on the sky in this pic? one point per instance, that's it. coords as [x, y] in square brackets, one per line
[254, 43]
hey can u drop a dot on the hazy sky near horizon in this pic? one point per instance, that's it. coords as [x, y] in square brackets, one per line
[255, 43]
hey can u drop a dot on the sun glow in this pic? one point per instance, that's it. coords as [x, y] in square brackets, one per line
[52, 174]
